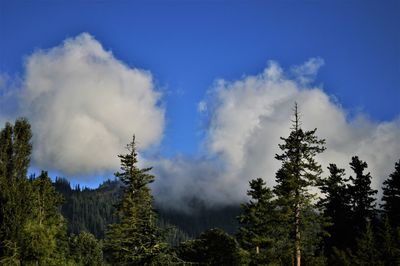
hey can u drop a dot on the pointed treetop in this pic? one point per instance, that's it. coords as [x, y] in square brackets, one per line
[296, 122]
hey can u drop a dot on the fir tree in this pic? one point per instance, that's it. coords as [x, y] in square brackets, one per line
[135, 239]
[15, 190]
[86, 250]
[336, 206]
[214, 247]
[44, 232]
[367, 253]
[361, 196]
[258, 233]
[298, 174]
[389, 244]
[391, 196]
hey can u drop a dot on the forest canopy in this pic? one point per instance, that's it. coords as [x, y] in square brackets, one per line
[310, 217]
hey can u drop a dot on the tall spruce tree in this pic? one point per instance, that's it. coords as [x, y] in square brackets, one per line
[299, 173]
[15, 190]
[389, 243]
[361, 196]
[367, 253]
[258, 232]
[135, 239]
[44, 232]
[336, 207]
[391, 196]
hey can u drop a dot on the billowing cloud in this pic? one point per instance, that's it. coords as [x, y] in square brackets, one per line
[247, 119]
[84, 105]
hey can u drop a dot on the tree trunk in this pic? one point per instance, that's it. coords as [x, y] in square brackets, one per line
[257, 250]
[297, 241]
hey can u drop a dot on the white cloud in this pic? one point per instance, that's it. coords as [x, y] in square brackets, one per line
[84, 105]
[306, 72]
[247, 119]
[202, 106]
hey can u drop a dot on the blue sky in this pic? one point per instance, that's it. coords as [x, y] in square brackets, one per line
[187, 45]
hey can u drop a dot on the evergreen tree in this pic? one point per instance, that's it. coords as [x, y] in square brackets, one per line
[44, 232]
[367, 254]
[259, 233]
[135, 239]
[391, 196]
[361, 196]
[86, 250]
[89, 210]
[15, 150]
[389, 244]
[336, 206]
[298, 174]
[214, 247]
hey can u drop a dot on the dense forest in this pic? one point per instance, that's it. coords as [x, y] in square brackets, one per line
[92, 210]
[310, 217]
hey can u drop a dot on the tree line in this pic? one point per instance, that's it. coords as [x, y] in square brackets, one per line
[92, 209]
[307, 218]
[341, 225]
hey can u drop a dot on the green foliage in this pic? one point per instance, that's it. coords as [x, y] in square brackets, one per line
[200, 217]
[389, 244]
[92, 210]
[44, 233]
[40, 242]
[285, 225]
[361, 196]
[11, 253]
[213, 247]
[260, 234]
[340, 257]
[299, 173]
[89, 210]
[86, 250]
[173, 235]
[336, 207]
[136, 238]
[391, 196]
[277, 226]
[367, 253]
[15, 190]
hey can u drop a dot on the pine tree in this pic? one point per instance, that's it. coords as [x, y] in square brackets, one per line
[214, 247]
[135, 239]
[336, 207]
[86, 250]
[391, 196]
[298, 174]
[367, 253]
[389, 244]
[361, 196]
[15, 150]
[258, 233]
[44, 232]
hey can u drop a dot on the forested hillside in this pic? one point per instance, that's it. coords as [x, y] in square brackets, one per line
[310, 217]
[89, 209]
[92, 210]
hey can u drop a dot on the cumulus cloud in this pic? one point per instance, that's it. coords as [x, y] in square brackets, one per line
[247, 118]
[85, 105]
